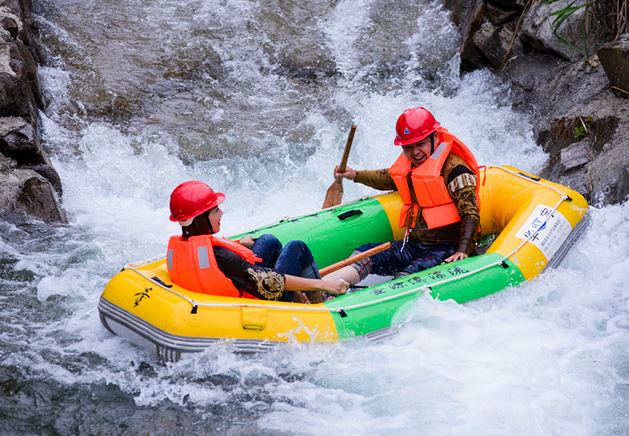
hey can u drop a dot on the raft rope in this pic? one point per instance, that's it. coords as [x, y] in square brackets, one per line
[342, 311]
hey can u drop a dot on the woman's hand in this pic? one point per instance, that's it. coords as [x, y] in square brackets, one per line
[334, 287]
[247, 241]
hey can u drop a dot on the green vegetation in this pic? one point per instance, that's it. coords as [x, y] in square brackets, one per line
[612, 16]
[583, 130]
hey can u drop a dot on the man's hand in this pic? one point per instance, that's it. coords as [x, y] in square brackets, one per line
[456, 257]
[348, 174]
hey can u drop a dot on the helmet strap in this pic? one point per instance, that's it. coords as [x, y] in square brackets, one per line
[432, 143]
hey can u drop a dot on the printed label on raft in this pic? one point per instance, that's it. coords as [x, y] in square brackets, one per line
[552, 230]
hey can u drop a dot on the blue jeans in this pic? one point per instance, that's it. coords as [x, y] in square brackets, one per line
[294, 259]
[414, 258]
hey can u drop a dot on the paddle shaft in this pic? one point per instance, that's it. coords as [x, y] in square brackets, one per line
[334, 194]
[336, 266]
[348, 146]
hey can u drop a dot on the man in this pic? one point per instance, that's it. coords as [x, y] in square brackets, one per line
[437, 178]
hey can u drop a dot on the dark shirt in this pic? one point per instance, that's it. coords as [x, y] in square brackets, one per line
[257, 280]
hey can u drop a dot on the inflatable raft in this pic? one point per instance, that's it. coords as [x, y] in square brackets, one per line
[528, 225]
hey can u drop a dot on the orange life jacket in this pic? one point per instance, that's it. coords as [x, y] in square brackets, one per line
[431, 193]
[192, 265]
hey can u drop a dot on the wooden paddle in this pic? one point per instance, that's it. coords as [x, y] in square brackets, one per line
[334, 194]
[338, 265]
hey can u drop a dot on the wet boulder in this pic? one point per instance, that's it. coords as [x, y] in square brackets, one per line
[24, 192]
[18, 140]
[541, 29]
[497, 43]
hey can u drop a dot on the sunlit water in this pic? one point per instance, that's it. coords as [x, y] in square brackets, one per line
[256, 99]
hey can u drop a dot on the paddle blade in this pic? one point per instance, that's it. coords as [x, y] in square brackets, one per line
[334, 195]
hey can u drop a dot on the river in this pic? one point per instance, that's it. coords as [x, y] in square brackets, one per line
[256, 98]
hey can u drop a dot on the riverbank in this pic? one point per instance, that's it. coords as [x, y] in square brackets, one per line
[576, 95]
[29, 185]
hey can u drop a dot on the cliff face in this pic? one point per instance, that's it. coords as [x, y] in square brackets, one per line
[29, 185]
[578, 103]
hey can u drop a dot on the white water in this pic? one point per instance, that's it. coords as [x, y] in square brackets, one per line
[547, 358]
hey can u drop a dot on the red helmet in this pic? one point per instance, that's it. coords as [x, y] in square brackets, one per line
[414, 125]
[191, 199]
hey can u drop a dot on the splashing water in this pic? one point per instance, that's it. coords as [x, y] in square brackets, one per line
[256, 98]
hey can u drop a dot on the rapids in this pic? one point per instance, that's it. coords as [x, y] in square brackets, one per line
[256, 99]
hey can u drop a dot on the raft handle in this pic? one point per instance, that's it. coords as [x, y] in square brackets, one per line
[504, 264]
[537, 179]
[194, 308]
[349, 214]
[161, 282]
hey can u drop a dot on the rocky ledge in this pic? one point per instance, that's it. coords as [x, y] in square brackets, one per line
[29, 185]
[574, 84]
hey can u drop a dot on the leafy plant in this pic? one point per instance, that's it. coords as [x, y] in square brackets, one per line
[582, 130]
[612, 15]
[558, 18]
[579, 131]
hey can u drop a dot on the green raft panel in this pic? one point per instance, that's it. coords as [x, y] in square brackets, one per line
[333, 234]
[371, 310]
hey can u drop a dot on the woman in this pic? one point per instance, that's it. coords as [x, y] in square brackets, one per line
[202, 262]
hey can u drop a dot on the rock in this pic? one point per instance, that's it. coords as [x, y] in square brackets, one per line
[49, 173]
[574, 128]
[10, 25]
[494, 42]
[577, 155]
[20, 93]
[577, 142]
[609, 174]
[38, 199]
[614, 57]
[18, 140]
[537, 31]
[14, 96]
[471, 20]
[498, 16]
[25, 192]
[511, 4]
[569, 166]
